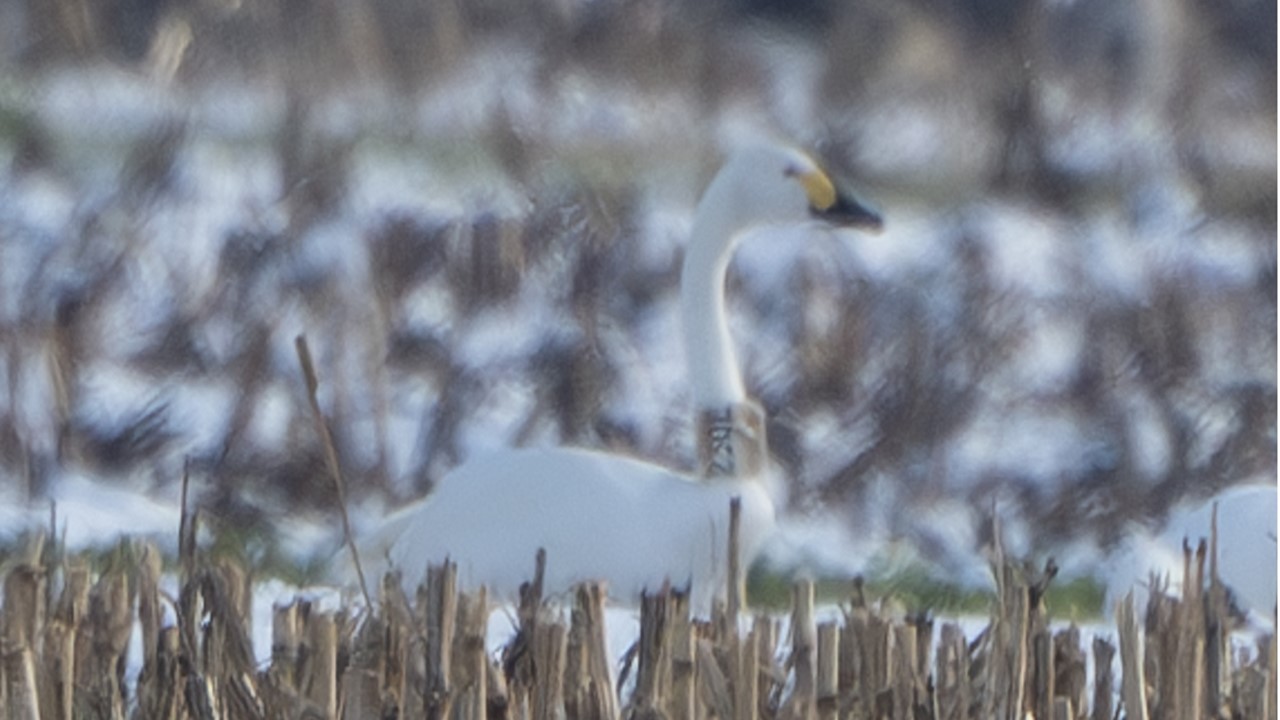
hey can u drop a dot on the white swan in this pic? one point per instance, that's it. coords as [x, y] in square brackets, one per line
[601, 516]
[1246, 550]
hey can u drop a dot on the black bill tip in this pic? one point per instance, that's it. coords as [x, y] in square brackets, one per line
[849, 211]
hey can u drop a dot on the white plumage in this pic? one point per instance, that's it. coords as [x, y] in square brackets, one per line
[1246, 549]
[600, 516]
[597, 515]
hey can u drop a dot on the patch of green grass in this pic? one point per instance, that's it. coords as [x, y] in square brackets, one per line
[1080, 598]
[917, 590]
[913, 588]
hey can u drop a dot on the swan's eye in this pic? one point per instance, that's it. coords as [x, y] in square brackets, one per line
[816, 184]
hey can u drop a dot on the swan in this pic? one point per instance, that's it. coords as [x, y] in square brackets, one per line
[1246, 550]
[607, 517]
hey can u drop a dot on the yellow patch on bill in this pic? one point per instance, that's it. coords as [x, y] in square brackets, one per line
[822, 194]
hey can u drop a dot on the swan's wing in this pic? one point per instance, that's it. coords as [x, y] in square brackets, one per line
[598, 516]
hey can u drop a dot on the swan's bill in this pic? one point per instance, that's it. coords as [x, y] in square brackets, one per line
[838, 207]
[849, 211]
[821, 191]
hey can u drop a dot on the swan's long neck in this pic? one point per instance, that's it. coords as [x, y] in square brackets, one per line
[730, 428]
[713, 367]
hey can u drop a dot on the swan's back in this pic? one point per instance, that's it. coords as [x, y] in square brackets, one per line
[598, 516]
[1246, 549]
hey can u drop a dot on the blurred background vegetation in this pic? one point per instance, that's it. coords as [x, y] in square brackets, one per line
[475, 212]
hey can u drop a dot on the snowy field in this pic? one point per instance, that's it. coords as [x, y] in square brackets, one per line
[491, 259]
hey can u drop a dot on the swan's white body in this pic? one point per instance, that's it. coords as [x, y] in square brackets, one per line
[1246, 550]
[599, 516]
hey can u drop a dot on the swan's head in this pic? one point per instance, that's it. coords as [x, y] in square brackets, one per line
[769, 184]
[760, 185]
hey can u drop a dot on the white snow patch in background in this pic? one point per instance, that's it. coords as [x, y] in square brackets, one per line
[112, 391]
[1116, 263]
[273, 409]
[121, 103]
[821, 543]
[1026, 249]
[909, 242]
[913, 141]
[1039, 443]
[199, 413]
[1048, 359]
[235, 109]
[40, 204]
[96, 513]
[1151, 442]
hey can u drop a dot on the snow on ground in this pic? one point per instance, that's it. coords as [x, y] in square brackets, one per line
[94, 514]
[228, 180]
